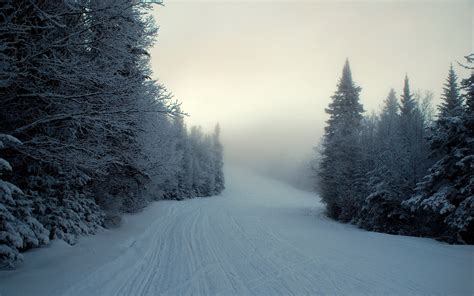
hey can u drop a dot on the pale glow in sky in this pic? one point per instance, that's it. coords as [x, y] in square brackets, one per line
[266, 70]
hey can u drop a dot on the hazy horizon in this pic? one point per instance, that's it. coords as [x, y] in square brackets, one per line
[266, 70]
[104, 192]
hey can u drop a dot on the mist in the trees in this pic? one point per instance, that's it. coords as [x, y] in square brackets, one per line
[400, 172]
[97, 136]
[236, 147]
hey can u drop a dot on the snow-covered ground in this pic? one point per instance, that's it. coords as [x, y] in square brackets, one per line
[261, 237]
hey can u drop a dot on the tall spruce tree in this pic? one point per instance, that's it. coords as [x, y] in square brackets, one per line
[382, 210]
[389, 119]
[341, 153]
[413, 144]
[452, 101]
[184, 182]
[445, 198]
[218, 151]
[407, 103]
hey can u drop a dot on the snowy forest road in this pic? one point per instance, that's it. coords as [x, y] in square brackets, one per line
[261, 237]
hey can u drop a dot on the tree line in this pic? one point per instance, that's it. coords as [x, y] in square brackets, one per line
[85, 133]
[402, 171]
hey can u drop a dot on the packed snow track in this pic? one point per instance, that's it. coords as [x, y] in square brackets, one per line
[260, 237]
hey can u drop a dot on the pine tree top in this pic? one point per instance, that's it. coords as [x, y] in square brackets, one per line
[407, 102]
[452, 104]
[468, 85]
[346, 71]
[345, 107]
[391, 103]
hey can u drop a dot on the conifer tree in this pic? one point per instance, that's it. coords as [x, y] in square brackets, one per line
[452, 101]
[444, 200]
[184, 174]
[382, 210]
[407, 103]
[218, 160]
[389, 118]
[413, 145]
[19, 230]
[97, 131]
[341, 155]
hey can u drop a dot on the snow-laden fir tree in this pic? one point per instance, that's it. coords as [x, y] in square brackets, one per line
[97, 131]
[218, 152]
[200, 158]
[184, 188]
[208, 164]
[382, 209]
[452, 102]
[444, 200]
[413, 145]
[53, 106]
[340, 168]
[19, 230]
[368, 146]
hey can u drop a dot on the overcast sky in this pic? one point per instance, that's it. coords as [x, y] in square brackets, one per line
[266, 69]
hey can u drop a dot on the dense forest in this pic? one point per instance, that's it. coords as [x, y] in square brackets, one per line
[406, 170]
[85, 133]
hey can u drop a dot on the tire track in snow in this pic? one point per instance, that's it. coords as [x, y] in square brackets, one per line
[256, 239]
[127, 274]
[234, 246]
[183, 243]
[262, 257]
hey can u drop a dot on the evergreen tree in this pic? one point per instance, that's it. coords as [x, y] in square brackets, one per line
[184, 182]
[445, 198]
[413, 145]
[407, 103]
[382, 210]
[452, 102]
[341, 154]
[218, 151]
[389, 118]
[97, 132]
[208, 166]
[19, 230]
[196, 138]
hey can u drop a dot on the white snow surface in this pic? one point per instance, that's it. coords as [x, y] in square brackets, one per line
[260, 237]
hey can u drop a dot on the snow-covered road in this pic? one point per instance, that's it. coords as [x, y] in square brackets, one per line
[261, 237]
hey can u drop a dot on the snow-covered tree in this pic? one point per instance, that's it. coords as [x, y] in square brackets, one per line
[98, 133]
[19, 230]
[160, 140]
[341, 154]
[44, 106]
[74, 83]
[452, 102]
[382, 209]
[184, 165]
[444, 200]
[413, 145]
[375, 170]
[400, 159]
[218, 153]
